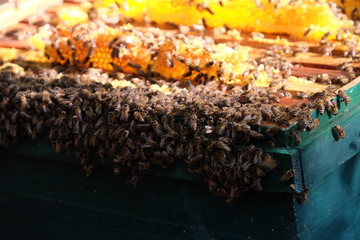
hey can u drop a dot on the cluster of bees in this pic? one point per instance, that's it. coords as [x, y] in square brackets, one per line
[218, 127]
[136, 126]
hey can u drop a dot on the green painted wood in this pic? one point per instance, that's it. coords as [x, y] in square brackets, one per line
[321, 153]
[332, 209]
[51, 200]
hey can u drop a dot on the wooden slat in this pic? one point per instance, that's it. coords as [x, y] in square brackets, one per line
[15, 11]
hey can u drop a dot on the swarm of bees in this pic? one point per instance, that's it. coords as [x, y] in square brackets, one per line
[216, 118]
[137, 127]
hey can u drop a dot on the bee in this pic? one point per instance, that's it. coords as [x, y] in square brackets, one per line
[138, 117]
[117, 170]
[112, 42]
[156, 126]
[296, 137]
[203, 7]
[307, 32]
[134, 65]
[342, 95]
[313, 124]
[169, 61]
[124, 116]
[116, 67]
[166, 159]
[143, 127]
[267, 162]
[58, 145]
[325, 36]
[302, 196]
[196, 159]
[193, 121]
[222, 127]
[334, 107]
[338, 132]
[272, 131]
[77, 111]
[58, 52]
[115, 52]
[143, 166]
[287, 175]
[28, 129]
[223, 146]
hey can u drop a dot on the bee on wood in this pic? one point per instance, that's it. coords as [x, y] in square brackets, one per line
[313, 124]
[334, 107]
[296, 137]
[338, 132]
[342, 95]
[289, 174]
[302, 196]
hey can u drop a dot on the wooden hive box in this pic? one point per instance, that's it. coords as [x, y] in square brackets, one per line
[45, 195]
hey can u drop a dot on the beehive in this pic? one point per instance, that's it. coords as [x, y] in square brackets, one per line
[162, 124]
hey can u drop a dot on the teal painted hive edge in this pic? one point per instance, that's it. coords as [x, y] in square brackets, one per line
[321, 153]
[332, 208]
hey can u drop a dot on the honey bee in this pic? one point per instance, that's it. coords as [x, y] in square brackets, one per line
[338, 132]
[287, 175]
[313, 124]
[116, 67]
[193, 121]
[334, 107]
[342, 95]
[223, 146]
[272, 131]
[296, 137]
[134, 65]
[203, 7]
[138, 117]
[169, 60]
[307, 32]
[222, 127]
[156, 126]
[302, 196]
[124, 116]
[58, 52]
